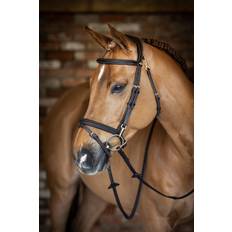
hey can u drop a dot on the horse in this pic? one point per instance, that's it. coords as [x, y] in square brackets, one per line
[170, 154]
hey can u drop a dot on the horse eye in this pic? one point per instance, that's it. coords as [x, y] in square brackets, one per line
[117, 88]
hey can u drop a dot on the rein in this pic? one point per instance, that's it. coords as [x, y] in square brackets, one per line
[119, 131]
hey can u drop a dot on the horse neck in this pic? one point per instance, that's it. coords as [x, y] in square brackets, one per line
[176, 93]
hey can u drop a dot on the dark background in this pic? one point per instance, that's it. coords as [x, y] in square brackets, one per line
[67, 57]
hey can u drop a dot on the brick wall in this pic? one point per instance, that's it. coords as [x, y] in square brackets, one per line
[67, 57]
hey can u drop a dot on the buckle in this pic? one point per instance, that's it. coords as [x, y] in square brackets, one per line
[136, 86]
[109, 146]
[145, 64]
[123, 128]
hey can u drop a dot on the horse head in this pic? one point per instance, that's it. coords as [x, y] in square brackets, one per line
[110, 91]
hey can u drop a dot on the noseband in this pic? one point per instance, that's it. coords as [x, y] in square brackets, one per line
[119, 131]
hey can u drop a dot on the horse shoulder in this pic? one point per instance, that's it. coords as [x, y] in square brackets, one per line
[169, 172]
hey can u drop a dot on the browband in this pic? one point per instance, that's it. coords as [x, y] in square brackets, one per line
[117, 61]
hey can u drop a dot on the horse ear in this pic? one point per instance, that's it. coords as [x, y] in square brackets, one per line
[122, 38]
[106, 42]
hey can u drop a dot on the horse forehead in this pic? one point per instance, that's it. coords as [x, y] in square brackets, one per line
[101, 73]
[112, 73]
[107, 71]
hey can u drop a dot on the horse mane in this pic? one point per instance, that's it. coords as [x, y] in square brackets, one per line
[169, 50]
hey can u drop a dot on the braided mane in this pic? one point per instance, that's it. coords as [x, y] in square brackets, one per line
[169, 50]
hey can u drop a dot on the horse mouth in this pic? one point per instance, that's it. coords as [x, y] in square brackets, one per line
[90, 162]
[91, 172]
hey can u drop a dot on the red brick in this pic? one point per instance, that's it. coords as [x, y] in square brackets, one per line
[49, 45]
[51, 92]
[93, 54]
[49, 64]
[66, 73]
[81, 37]
[78, 33]
[76, 64]
[59, 36]
[72, 46]
[73, 82]
[57, 18]
[111, 18]
[84, 19]
[87, 55]
[60, 55]
[49, 27]
[53, 83]
[93, 46]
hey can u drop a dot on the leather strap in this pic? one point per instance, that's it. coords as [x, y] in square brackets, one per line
[98, 125]
[130, 105]
[157, 97]
[117, 61]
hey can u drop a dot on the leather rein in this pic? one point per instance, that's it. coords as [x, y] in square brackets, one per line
[119, 131]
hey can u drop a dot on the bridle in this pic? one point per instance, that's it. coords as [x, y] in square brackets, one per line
[119, 131]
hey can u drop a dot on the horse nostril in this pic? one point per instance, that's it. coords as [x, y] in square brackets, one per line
[90, 159]
[85, 159]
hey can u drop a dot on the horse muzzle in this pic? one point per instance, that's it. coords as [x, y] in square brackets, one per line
[91, 160]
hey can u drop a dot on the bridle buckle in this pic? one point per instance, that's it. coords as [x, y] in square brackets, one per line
[122, 140]
[144, 64]
[123, 128]
[136, 86]
[123, 143]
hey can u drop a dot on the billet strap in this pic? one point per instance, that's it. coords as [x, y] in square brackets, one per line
[156, 94]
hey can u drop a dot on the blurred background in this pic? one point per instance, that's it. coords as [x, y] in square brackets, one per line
[67, 57]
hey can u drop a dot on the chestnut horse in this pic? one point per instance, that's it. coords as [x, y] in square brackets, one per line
[170, 154]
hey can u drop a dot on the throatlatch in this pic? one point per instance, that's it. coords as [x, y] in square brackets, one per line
[119, 131]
